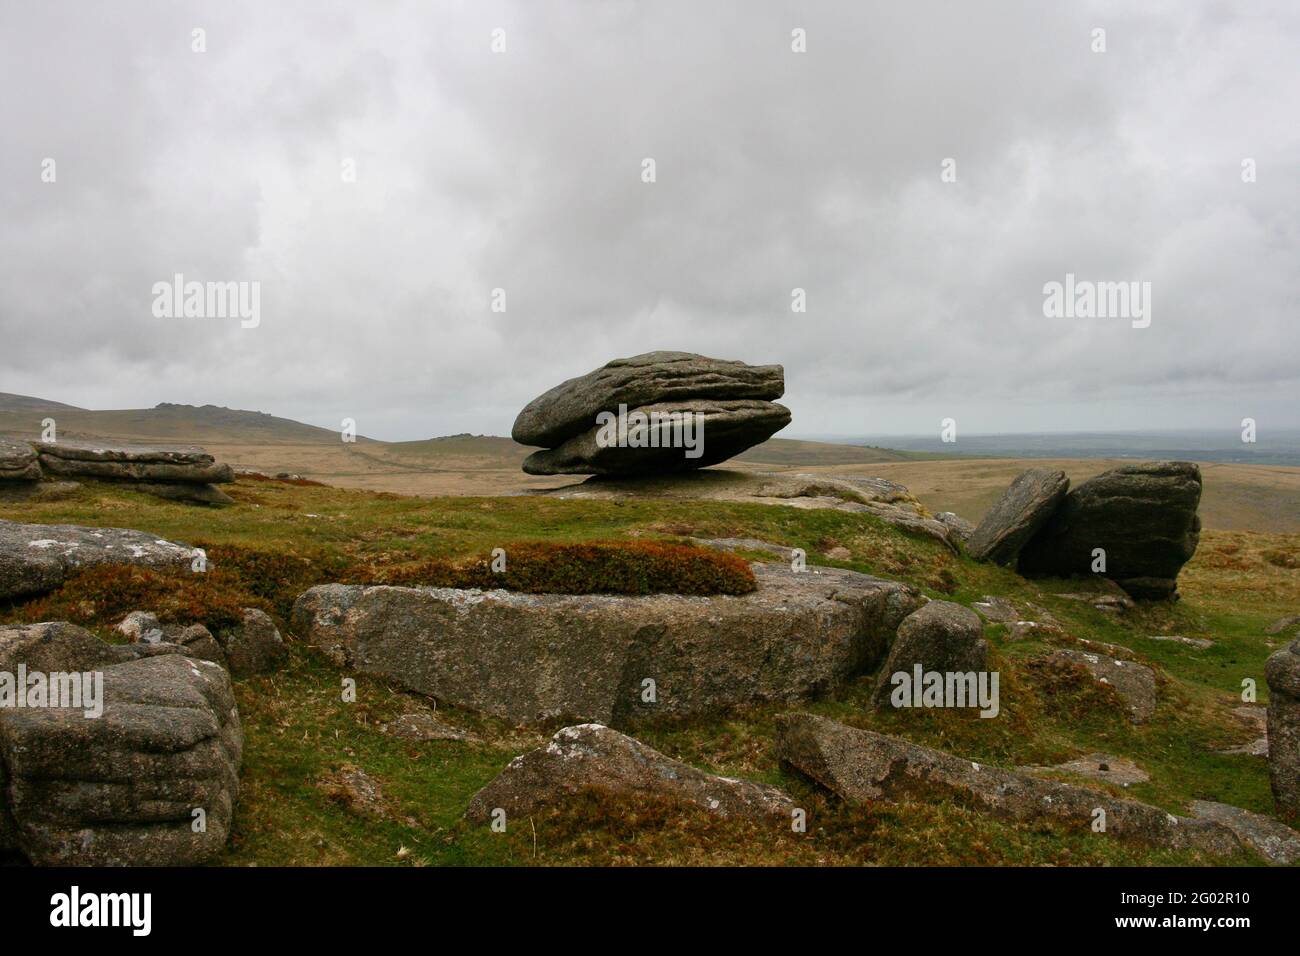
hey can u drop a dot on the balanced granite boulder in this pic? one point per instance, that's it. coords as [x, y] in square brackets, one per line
[1142, 518]
[608, 658]
[1282, 671]
[655, 413]
[149, 780]
[18, 461]
[861, 766]
[35, 558]
[722, 429]
[1024, 507]
[571, 407]
[591, 757]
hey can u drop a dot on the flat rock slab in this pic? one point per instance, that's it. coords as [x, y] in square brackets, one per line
[612, 659]
[147, 463]
[1200, 643]
[35, 558]
[1024, 507]
[1135, 683]
[18, 461]
[886, 500]
[1101, 767]
[1142, 516]
[862, 766]
[121, 788]
[1271, 839]
[570, 408]
[593, 757]
[422, 728]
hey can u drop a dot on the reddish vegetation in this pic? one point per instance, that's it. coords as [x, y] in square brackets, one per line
[241, 577]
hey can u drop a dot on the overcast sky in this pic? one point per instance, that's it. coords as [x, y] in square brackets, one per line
[775, 170]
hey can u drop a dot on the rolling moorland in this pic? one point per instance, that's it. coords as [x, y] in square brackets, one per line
[297, 807]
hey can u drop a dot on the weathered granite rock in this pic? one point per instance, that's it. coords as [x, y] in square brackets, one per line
[1135, 683]
[939, 636]
[1143, 516]
[1282, 672]
[196, 640]
[1271, 839]
[18, 461]
[147, 463]
[571, 407]
[723, 428]
[861, 766]
[425, 727]
[961, 528]
[35, 558]
[534, 657]
[1200, 643]
[121, 788]
[1024, 507]
[254, 646]
[593, 757]
[997, 609]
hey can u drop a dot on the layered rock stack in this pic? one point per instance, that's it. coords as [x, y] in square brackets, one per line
[18, 462]
[651, 414]
[1135, 525]
[128, 785]
[177, 473]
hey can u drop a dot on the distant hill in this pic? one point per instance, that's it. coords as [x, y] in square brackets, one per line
[25, 403]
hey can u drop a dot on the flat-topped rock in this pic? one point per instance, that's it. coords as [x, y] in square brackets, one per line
[591, 757]
[1143, 517]
[723, 428]
[126, 787]
[18, 461]
[570, 408]
[1103, 768]
[35, 558]
[612, 659]
[1015, 517]
[125, 462]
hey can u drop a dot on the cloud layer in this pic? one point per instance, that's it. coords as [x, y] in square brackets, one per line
[521, 170]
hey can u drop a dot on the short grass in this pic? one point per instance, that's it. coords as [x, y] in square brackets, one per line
[300, 731]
